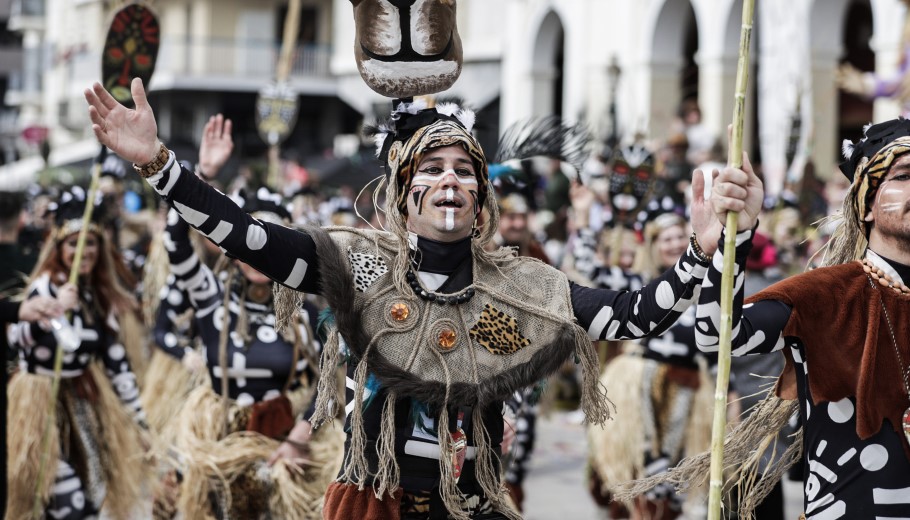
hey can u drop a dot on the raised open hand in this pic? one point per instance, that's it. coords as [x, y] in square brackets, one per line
[216, 146]
[131, 134]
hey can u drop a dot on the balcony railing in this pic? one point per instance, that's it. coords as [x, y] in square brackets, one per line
[238, 58]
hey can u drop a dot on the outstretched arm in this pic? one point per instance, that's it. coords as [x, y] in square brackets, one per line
[615, 315]
[285, 255]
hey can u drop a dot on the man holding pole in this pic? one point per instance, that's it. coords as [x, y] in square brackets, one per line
[844, 330]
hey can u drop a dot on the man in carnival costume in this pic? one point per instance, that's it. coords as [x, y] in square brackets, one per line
[434, 329]
[844, 330]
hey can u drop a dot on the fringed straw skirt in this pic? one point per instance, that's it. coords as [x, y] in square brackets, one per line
[617, 449]
[92, 432]
[228, 475]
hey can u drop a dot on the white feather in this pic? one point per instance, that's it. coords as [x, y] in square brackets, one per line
[847, 149]
[447, 109]
[379, 139]
[467, 118]
[866, 128]
[410, 108]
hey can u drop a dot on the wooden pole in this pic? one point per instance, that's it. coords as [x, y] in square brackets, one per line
[38, 504]
[282, 73]
[735, 160]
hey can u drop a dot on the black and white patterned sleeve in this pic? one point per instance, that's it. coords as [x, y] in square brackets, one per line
[170, 331]
[192, 277]
[613, 315]
[117, 367]
[757, 328]
[285, 255]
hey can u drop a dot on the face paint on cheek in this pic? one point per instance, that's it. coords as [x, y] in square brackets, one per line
[418, 192]
[889, 200]
[476, 204]
[450, 219]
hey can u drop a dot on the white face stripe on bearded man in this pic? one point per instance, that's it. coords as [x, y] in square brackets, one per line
[450, 219]
[427, 177]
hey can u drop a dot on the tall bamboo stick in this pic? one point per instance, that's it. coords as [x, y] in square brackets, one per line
[735, 159]
[38, 503]
[282, 73]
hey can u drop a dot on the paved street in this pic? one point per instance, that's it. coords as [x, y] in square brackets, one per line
[555, 487]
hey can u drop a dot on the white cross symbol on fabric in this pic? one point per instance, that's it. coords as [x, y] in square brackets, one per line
[239, 372]
[84, 334]
[666, 347]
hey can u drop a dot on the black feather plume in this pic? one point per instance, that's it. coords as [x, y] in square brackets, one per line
[545, 137]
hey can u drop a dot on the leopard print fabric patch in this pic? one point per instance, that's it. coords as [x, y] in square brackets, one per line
[366, 269]
[498, 332]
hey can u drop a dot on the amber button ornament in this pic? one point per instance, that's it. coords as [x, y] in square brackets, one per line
[400, 311]
[446, 339]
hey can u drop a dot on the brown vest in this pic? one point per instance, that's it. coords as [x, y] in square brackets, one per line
[838, 316]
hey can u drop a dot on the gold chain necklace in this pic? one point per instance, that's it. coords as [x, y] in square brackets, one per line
[883, 279]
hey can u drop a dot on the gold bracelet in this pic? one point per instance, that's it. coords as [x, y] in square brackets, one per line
[699, 252]
[155, 166]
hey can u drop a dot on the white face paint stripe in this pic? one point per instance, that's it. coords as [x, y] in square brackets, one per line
[467, 181]
[450, 194]
[450, 219]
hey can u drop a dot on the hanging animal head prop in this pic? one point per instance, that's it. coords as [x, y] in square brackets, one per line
[407, 48]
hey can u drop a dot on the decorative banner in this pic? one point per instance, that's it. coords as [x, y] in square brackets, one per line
[130, 51]
[276, 112]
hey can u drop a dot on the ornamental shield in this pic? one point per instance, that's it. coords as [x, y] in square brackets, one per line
[130, 51]
[276, 112]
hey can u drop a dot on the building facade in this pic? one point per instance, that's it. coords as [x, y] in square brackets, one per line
[522, 58]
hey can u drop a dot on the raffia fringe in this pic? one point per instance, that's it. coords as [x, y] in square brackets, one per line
[209, 464]
[388, 476]
[118, 438]
[28, 396]
[485, 472]
[134, 339]
[287, 303]
[594, 401]
[742, 448]
[167, 384]
[617, 448]
[356, 469]
[327, 397]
